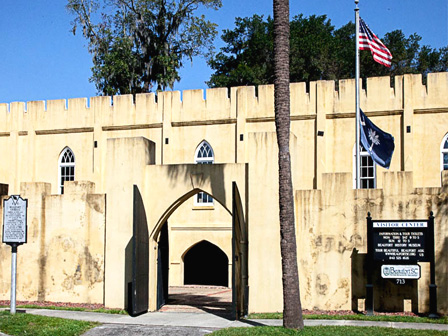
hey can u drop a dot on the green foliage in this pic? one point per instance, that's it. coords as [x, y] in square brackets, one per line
[308, 58]
[32, 325]
[139, 44]
[324, 331]
[319, 51]
[248, 57]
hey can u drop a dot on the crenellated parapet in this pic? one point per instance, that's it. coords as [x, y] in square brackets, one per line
[333, 99]
[194, 108]
[433, 94]
[378, 95]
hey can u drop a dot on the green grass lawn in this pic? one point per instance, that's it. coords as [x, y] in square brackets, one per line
[32, 325]
[325, 331]
[97, 310]
[357, 317]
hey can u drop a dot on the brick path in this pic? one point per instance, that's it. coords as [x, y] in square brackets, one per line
[192, 298]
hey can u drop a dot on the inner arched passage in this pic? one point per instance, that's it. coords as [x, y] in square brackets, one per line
[175, 205]
[206, 264]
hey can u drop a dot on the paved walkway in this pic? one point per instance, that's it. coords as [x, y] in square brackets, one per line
[196, 324]
[207, 320]
[196, 311]
[192, 298]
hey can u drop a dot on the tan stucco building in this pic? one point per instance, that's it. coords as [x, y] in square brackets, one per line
[164, 183]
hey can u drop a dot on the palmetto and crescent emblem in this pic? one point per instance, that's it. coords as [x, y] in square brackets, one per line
[375, 138]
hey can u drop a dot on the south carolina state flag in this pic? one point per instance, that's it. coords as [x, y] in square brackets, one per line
[379, 144]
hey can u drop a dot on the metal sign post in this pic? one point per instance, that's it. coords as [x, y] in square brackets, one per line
[13, 278]
[14, 234]
[432, 260]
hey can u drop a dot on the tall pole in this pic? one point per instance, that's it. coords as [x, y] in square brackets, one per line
[13, 278]
[432, 270]
[357, 95]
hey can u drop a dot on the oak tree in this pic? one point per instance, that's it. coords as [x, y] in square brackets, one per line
[140, 44]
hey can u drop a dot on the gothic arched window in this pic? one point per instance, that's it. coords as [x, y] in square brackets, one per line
[204, 155]
[66, 168]
[444, 153]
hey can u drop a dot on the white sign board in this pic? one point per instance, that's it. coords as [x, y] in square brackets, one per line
[14, 220]
[400, 271]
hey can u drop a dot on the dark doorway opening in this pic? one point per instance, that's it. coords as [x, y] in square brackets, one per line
[162, 267]
[206, 264]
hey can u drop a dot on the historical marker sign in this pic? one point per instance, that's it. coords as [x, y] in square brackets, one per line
[14, 234]
[400, 241]
[14, 220]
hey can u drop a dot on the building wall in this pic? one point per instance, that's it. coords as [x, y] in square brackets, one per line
[33, 137]
[189, 225]
[63, 259]
[150, 143]
[332, 240]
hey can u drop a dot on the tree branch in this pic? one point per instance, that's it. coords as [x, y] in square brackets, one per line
[85, 19]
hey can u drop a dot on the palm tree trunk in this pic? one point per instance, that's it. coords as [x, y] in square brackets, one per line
[292, 307]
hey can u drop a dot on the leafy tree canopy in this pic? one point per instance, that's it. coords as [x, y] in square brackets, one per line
[139, 44]
[317, 51]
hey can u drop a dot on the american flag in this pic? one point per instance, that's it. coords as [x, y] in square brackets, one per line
[369, 41]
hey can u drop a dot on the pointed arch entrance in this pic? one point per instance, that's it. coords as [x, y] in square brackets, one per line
[237, 257]
[163, 188]
[200, 258]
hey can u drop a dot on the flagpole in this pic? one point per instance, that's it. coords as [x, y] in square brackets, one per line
[357, 95]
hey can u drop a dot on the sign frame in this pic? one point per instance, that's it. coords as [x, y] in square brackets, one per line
[14, 221]
[400, 241]
[23, 217]
[426, 225]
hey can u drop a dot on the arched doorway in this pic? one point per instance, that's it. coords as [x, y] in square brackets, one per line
[235, 249]
[206, 264]
[164, 188]
[194, 259]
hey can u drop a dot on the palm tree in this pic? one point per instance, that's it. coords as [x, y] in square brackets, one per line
[292, 307]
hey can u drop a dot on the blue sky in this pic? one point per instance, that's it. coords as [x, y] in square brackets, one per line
[41, 59]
